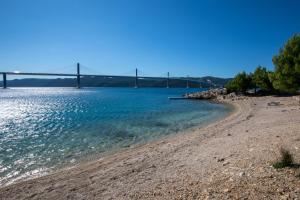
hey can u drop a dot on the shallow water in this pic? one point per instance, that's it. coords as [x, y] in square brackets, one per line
[46, 128]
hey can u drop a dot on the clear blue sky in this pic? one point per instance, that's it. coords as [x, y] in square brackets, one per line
[196, 38]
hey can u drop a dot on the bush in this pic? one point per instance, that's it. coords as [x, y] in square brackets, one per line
[286, 159]
[240, 83]
[261, 79]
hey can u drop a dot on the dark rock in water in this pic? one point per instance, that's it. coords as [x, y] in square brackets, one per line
[161, 124]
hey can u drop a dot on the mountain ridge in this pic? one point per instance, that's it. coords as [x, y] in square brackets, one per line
[206, 81]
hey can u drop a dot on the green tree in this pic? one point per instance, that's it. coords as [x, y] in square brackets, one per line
[261, 79]
[240, 83]
[286, 77]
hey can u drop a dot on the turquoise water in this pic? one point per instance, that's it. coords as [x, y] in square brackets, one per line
[42, 129]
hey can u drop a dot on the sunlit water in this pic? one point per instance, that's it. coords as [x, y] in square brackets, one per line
[42, 129]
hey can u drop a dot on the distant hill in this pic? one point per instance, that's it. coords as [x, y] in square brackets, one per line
[214, 80]
[207, 81]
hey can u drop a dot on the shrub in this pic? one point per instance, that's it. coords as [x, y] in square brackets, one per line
[240, 83]
[286, 159]
[261, 79]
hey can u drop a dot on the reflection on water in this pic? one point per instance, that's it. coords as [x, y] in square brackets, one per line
[45, 128]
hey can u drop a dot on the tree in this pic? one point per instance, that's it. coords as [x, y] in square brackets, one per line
[261, 79]
[286, 77]
[240, 83]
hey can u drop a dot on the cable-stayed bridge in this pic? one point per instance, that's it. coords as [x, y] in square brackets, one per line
[136, 76]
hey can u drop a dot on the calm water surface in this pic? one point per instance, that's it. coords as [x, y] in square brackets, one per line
[42, 129]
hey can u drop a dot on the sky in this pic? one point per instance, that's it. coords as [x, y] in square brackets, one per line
[183, 37]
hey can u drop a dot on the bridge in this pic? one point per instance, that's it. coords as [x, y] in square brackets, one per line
[78, 76]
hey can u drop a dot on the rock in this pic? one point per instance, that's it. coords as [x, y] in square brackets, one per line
[219, 94]
[226, 190]
[209, 94]
[232, 95]
[242, 174]
[273, 103]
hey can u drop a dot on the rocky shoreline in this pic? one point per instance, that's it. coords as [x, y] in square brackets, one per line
[217, 94]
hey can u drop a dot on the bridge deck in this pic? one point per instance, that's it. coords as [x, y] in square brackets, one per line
[78, 76]
[88, 75]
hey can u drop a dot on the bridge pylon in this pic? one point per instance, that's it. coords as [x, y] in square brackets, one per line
[168, 80]
[4, 81]
[187, 82]
[78, 75]
[136, 78]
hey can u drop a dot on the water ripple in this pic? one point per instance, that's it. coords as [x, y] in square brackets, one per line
[42, 128]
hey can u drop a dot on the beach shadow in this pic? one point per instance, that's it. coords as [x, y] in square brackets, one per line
[295, 166]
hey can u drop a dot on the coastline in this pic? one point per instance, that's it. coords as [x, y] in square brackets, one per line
[103, 155]
[202, 162]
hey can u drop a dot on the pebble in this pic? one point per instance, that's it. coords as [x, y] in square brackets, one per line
[242, 174]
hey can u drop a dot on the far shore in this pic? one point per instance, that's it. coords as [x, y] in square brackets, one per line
[231, 158]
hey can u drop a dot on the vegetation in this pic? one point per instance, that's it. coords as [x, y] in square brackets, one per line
[287, 67]
[261, 79]
[286, 159]
[285, 78]
[240, 83]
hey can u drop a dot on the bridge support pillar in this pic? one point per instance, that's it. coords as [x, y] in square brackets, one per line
[4, 81]
[187, 82]
[168, 80]
[136, 78]
[78, 75]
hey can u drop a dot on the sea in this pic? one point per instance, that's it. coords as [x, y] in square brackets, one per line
[45, 129]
